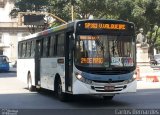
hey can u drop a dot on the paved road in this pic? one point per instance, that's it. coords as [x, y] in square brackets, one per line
[13, 94]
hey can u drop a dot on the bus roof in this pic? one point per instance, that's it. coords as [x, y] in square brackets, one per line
[69, 24]
[47, 31]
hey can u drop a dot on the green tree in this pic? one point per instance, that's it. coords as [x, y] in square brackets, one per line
[152, 16]
[61, 8]
[146, 14]
[29, 5]
[83, 9]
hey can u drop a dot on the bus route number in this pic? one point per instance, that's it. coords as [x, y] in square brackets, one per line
[92, 60]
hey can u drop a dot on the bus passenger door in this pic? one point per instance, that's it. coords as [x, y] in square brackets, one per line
[68, 62]
[37, 61]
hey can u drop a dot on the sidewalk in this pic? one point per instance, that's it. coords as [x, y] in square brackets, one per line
[148, 73]
[141, 84]
[148, 85]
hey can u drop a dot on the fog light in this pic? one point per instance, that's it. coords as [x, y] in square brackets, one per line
[79, 76]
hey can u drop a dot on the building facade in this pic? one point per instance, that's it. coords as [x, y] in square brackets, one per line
[10, 31]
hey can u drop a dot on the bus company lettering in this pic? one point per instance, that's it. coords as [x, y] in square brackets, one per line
[92, 60]
[105, 26]
[116, 61]
[89, 37]
[121, 61]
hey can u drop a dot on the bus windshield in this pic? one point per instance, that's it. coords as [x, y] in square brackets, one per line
[104, 51]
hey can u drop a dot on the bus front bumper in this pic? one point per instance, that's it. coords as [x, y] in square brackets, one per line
[103, 88]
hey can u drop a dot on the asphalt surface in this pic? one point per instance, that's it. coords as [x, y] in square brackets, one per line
[13, 94]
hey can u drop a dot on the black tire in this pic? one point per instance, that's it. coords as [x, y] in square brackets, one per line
[61, 95]
[108, 98]
[29, 83]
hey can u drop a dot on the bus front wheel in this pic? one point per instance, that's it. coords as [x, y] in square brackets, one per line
[61, 95]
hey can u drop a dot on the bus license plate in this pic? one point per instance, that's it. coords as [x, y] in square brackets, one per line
[109, 88]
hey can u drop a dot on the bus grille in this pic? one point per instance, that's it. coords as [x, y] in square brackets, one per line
[104, 89]
[108, 81]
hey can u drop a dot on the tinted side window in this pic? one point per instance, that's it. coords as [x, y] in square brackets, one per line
[46, 46]
[32, 48]
[28, 51]
[24, 48]
[19, 50]
[41, 48]
[60, 45]
[53, 46]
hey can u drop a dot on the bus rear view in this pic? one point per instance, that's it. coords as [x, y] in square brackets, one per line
[105, 57]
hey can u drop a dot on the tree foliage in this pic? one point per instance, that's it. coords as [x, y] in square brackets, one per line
[29, 5]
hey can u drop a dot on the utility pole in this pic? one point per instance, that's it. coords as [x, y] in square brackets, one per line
[72, 9]
[72, 12]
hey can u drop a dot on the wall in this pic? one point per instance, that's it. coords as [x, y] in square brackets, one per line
[10, 31]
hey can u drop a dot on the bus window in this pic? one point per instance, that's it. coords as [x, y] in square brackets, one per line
[40, 47]
[52, 44]
[92, 51]
[20, 50]
[24, 47]
[120, 47]
[46, 47]
[28, 51]
[103, 51]
[60, 45]
[32, 48]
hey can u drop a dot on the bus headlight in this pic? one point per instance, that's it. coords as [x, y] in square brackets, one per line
[134, 76]
[82, 79]
[130, 80]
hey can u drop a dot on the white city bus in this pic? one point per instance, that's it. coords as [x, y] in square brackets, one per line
[81, 57]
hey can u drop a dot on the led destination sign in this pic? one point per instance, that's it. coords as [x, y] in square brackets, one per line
[92, 60]
[105, 26]
[89, 37]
